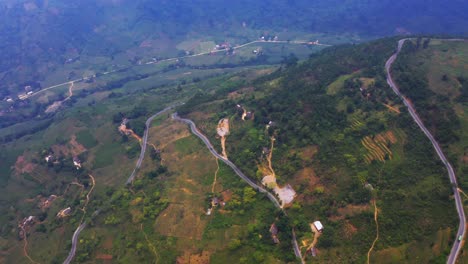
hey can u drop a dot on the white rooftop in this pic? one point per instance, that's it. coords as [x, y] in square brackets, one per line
[318, 225]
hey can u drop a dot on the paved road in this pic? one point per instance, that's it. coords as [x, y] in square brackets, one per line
[174, 59]
[205, 140]
[144, 142]
[270, 196]
[80, 228]
[453, 180]
[74, 242]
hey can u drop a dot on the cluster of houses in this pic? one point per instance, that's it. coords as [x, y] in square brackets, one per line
[47, 202]
[51, 159]
[25, 224]
[215, 201]
[268, 38]
[223, 46]
[28, 90]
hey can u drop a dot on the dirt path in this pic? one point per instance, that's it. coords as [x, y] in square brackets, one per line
[223, 146]
[244, 114]
[462, 192]
[150, 245]
[314, 242]
[376, 214]
[223, 130]
[269, 157]
[216, 176]
[129, 132]
[87, 198]
[391, 108]
[25, 248]
[70, 91]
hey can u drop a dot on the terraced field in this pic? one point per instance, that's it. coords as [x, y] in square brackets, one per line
[378, 146]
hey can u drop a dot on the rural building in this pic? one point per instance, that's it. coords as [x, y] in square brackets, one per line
[77, 162]
[318, 226]
[274, 233]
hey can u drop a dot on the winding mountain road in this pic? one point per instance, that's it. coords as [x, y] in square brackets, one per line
[207, 142]
[270, 196]
[453, 180]
[145, 140]
[80, 228]
[72, 252]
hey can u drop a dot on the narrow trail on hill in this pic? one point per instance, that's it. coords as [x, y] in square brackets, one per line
[87, 196]
[315, 240]
[216, 176]
[270, 156]
[150, 245]
[70, 91]
[25, 248]
[376, 215]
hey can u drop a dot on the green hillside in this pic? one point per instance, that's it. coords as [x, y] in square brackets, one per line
[328, 129]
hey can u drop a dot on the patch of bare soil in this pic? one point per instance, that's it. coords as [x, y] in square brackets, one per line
[76, 148]
[240, 92]
[177, 221]
[108, 243]
[73, 148]
[306, 177]
[465, 159]
[349, 230]
[170, 133]
[350, 210]
[223, 131]
[197, 258]
[308, 152]
[124, 130]
[227, 195]
[106, 258]
[22, 165]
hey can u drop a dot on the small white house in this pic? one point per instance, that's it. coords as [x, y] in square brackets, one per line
[318, 226]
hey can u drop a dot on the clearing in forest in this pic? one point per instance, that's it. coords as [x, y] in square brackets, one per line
[286, 194]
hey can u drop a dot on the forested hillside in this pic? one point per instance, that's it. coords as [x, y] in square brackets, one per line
[345, 143]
